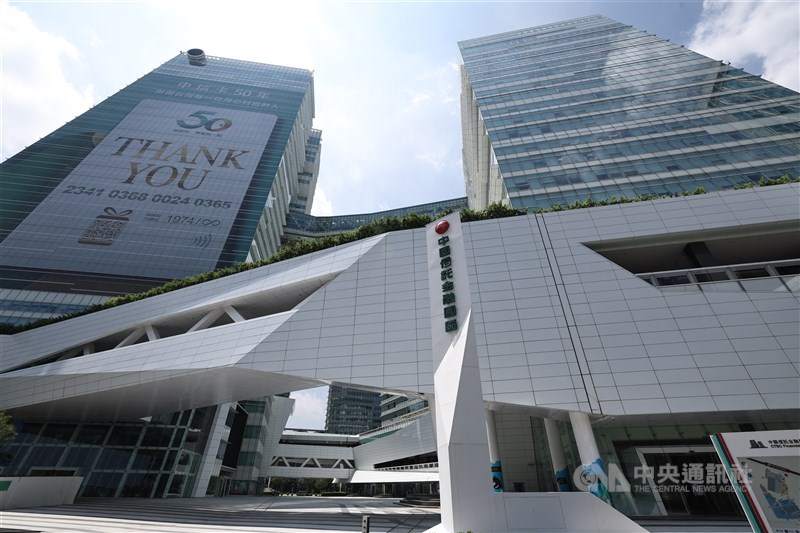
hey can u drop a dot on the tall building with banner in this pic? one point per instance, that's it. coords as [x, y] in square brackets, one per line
[594, 108]
[192, 167]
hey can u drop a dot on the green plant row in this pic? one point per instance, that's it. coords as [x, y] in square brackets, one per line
[371, 229]
[764, 182]
[7, 431]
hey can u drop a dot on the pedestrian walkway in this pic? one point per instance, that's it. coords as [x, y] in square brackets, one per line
[249, 514]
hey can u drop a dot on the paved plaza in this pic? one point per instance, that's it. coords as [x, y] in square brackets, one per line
[248, 514]
[244, 514]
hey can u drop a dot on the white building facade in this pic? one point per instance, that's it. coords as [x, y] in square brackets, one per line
[588, 314]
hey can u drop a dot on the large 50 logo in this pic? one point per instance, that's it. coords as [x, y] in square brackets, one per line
[204, 120]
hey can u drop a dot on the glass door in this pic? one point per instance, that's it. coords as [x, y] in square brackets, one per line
[688, 481]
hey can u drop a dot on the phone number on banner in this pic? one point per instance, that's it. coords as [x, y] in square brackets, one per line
[143, 196]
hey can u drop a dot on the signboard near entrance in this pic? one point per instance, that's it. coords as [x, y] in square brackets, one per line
[764, 468]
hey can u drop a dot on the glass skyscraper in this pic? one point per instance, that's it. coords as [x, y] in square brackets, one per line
[352, 411]
[192, 167]
[593, 108]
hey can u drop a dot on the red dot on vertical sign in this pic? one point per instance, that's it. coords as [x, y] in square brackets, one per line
[442, 227]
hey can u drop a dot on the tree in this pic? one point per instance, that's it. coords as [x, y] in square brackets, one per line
[322, 485]
[7, 431]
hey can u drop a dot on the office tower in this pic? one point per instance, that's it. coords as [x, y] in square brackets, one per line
[192, 167]
[307, 179]
[593, 108]
[352, 411]
[266, 421]
[398, 409]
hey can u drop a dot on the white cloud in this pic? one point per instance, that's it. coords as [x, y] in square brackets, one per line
[94, 40]
[36, 95]
[321, 207]
[437, 160]
[265, 32]
[433, 87]
[450, 92]
[419, 99]
[309, 409]
[766, 31]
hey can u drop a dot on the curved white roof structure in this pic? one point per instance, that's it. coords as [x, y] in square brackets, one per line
[559, 325]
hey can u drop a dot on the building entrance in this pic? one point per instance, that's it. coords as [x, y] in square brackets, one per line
[687, 480]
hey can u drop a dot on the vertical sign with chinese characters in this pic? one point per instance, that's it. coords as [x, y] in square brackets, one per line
[449, 286]
[461, 439]
[446, 276]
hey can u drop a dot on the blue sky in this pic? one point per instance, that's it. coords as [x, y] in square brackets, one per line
[386, 74]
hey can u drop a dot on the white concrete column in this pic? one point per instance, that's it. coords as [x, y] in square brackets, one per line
[494, 452]
[467, 501]
[556, 447]
[491, 434]
[461, 442]
[584, 437]
[209, 465]
[594, 477]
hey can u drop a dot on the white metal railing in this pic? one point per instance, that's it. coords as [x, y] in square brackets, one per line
[768, 276]
[420, 466]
